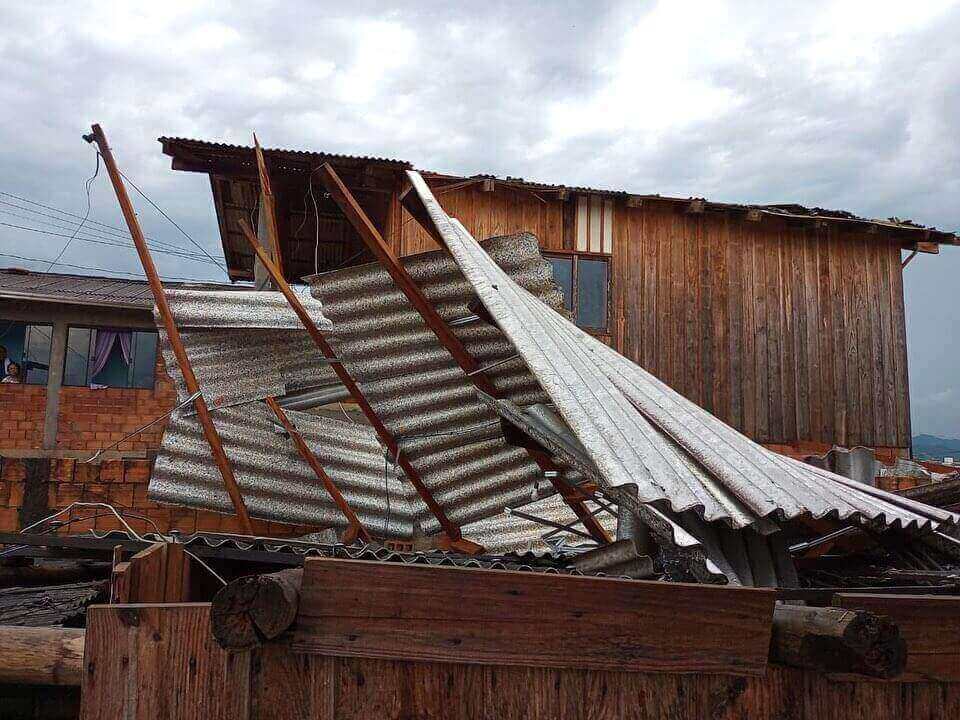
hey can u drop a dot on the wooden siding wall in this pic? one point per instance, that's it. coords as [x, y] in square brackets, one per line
[159, 662]
[788, 331]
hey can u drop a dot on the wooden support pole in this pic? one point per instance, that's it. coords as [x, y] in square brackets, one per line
[837, 641]
[398, 273]
[173, 334]
[255, 608]
[386, 438]
[356, 528]
[269, 206]
[41, 655]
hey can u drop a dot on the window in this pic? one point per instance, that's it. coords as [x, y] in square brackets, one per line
[109, 357]
[585, 281]
[594, 224]
[27, 348]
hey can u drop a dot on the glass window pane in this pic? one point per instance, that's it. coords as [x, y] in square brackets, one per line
[75, 363]
[144, 358]
[12, 342]
[563, 276]
[115, 372]
[592, 293]
[36, 358]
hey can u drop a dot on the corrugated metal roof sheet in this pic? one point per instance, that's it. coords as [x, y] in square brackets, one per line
[215, 149]
[420, 393]
[638, 430]
[19, 284]
[277, 484]
[244, 345]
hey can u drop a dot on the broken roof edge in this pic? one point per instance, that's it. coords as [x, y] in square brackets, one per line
[180, 148]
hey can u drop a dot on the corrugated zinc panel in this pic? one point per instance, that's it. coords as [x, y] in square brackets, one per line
[625, 419]
[277, 484]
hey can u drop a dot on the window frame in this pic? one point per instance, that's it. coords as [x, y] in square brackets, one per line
[28, 325]
[133, 350]
[575, 256]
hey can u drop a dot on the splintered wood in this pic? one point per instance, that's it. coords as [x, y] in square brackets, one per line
[355, 608]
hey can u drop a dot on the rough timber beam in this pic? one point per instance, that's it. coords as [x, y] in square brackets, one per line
[269, 205]
[356, 529]
[391, 263]
[386, 438]
[173, 334]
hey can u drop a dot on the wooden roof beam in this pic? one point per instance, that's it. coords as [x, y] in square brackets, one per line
[375, 242]
[173, 334]
[355, 528]
[385, 436]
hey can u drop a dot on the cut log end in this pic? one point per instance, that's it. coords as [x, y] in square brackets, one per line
[255, 608]
[837, 641]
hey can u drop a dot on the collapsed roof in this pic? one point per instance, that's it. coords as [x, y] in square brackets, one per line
[704, 490]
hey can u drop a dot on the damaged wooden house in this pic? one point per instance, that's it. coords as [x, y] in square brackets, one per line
[547, 445]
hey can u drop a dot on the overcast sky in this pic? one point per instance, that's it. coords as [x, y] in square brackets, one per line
[850, 105]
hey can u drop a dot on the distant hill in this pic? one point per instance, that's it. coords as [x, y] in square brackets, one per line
[934, 448]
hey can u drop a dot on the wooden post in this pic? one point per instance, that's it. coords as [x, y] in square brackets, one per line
[386, 438]
[269, 206]
[391, 263]
[153, 278]
[356, 528]
[255, 607]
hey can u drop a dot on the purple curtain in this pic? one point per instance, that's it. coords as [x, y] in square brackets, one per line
[101, 352]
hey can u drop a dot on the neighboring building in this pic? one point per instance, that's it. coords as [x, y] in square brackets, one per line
[786, 323]
[92, 375]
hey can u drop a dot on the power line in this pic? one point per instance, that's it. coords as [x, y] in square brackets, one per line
[172, 221]
[105, 270]
[67, 224]
[89, 182]
[113, 228]
[126, 246]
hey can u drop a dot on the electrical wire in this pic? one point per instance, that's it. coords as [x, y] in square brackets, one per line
[86, 215]
[126, 246]
[113, 228]
[66, 224]
[173, 222]
[100, 269]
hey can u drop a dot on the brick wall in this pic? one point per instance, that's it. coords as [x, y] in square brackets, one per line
[93, 419]
[21, 416]
[122, 484]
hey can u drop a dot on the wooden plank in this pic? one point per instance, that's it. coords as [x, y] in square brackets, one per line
[902, 392]
[929, 623]
[866, 374]
[888, 253]
[761, 335]
[788, 328]
[838, 340]
[825, 299]
[696, 306]
[814, 381]
[158, 662]
[733, 251]
[774, 309]
[148, 575]
[352, 608]
[720, 294]
[800, 351]
[748, 301]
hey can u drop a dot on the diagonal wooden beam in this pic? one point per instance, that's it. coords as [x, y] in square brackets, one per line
[464, 358]
[269, 205]
[386, 437]
[173, 334]
[356, 528]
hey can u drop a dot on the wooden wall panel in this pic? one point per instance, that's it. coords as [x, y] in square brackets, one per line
[792, 332]
[167, 667]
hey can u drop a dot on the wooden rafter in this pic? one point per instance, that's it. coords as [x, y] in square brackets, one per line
[269, 205]
[356, 528]
[173, 334]
[386, 437]
[464, 358]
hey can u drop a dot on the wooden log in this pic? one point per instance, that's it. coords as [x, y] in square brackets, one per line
[837, 641]
[929, 624]
[49, 605]
[41, 656]
[255, 608]
[52, 573]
